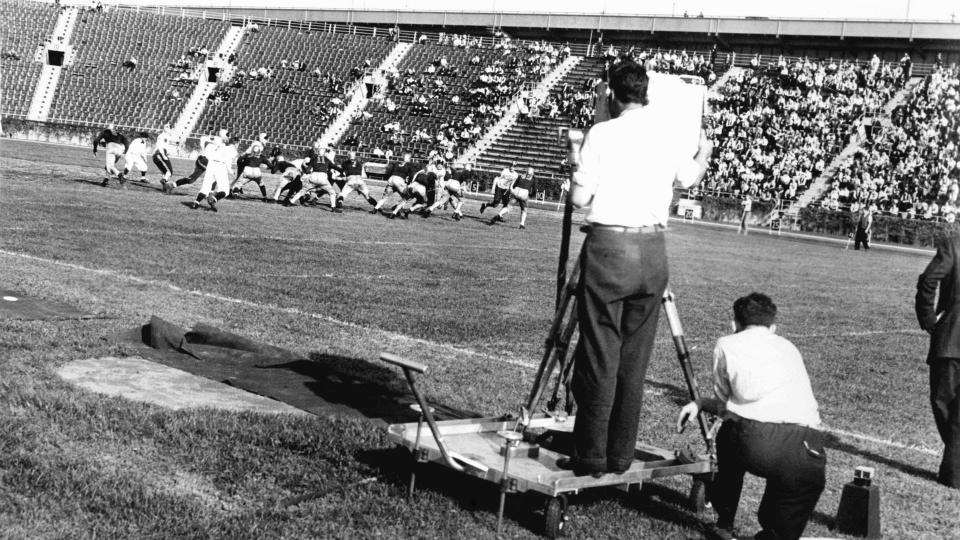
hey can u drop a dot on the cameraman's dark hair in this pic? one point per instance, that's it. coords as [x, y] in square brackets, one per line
[629, 82]
[754, 309]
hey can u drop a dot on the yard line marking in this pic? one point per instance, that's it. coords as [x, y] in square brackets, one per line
[863, 333]
[505, 247]
[876, 440]
[393, 335]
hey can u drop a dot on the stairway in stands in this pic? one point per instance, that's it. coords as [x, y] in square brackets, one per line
[359, 100]
[50, 75]
[534, 144]
[820, 185]
[508, 127]
[198, 100]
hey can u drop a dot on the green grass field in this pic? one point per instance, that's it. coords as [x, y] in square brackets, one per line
[471, 301]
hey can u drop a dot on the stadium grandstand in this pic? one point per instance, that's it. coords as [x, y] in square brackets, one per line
[802, 112]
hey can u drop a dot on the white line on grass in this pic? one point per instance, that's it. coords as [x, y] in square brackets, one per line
[503, 247]
[876, 440]
[393, 335]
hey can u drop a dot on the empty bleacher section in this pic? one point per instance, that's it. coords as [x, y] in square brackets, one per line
[26, 25]
[102, 86]
[292, 103]
[910, 167]
[444, 97]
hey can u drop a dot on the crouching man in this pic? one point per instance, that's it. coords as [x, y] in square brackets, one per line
[770, 416]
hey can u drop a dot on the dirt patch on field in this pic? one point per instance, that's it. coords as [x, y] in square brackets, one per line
[142, 380]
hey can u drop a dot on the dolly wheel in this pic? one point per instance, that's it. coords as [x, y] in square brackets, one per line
[698, 495]
[555, 516]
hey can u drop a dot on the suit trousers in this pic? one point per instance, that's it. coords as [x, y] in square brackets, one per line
[945, 399]
[623, 276]
[792, 460]
[861, 238]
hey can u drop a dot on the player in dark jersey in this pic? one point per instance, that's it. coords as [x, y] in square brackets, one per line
[317, 170]
[115, 146]
[252, 161]
[453, 189]
[199, 166]
[416, 193]
[256, 146]
[291, 180]
[355, 171]
[398, 176]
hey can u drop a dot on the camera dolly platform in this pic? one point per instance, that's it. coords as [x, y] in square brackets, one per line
[520, 454]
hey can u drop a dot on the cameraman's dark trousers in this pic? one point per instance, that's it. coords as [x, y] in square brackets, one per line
[791, 458]
[623, 276]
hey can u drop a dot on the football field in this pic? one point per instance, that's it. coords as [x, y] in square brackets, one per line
[471, 301]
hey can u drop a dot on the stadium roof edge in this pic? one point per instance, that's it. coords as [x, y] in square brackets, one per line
[793, 26]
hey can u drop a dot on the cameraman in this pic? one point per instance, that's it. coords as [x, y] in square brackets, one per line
[626, 170]
[769, 414]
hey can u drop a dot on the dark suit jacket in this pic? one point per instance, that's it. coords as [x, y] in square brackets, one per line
[942, 273]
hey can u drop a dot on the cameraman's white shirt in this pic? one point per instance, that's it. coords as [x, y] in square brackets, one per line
[629, 165]
[761, 376]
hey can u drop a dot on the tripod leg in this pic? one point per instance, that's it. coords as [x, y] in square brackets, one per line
[566, 360]
[683, 355]
[555, 336]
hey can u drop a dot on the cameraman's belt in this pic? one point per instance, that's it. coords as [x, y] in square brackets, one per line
[647, 229]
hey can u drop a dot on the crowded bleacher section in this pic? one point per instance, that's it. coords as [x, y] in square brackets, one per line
[911, 168]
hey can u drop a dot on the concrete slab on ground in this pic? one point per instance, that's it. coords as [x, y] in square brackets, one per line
[139, 379]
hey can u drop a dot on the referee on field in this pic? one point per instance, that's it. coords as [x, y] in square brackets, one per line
[625, 176]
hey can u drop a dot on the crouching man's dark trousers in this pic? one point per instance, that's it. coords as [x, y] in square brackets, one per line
[791, 458]
[623, 276]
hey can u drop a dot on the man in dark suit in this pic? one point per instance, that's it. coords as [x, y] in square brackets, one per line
[942, 321]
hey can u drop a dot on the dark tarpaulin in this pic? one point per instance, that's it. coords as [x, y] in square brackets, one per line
[320, 384]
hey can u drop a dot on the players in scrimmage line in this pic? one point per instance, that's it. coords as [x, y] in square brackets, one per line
[318, 171]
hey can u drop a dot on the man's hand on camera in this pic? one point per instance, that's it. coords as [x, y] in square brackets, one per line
[688, 412]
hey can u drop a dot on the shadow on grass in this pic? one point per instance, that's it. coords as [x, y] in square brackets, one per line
[480, 498]
[350, 386]
[835, 443]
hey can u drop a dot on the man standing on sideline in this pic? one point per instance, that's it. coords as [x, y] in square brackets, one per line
[623, 265]
[746, 207]
[864, 228]
[942, 321]
[770, 420]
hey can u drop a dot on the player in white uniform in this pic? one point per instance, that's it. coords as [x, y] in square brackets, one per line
[161, 156]
[453, 190]
[501, 188]
[136, 156]
[221, 152]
